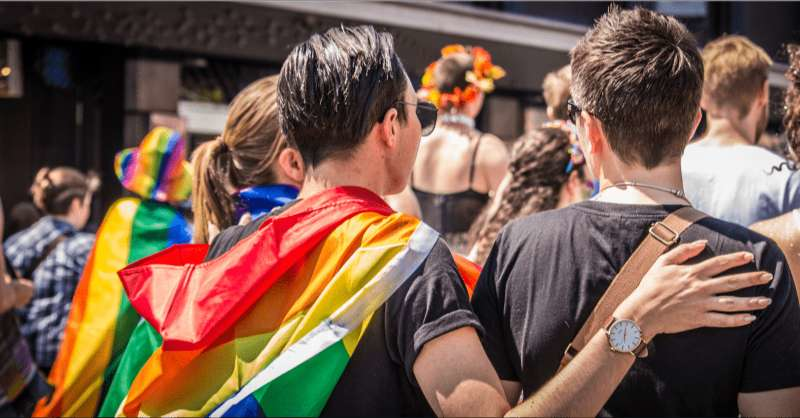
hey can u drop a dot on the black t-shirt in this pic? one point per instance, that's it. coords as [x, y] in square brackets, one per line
[379, 379]
[546, 272]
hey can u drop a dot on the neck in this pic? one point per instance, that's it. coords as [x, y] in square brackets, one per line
[665, 176]
[457, 119]
[68, 219]
[726, 131]
[336, 173]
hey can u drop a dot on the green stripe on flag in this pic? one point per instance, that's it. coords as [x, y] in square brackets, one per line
[147, 341]
[304, 390]
[149, 235]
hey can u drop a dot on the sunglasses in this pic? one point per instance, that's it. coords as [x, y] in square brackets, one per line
[573, 111]
[426, 113]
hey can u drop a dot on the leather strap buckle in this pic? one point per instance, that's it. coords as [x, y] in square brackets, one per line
[663, 234]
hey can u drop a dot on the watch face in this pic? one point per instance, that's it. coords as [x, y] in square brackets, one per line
[624, 335]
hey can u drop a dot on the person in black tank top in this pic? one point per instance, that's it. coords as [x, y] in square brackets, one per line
[456, 84]
[453, 212]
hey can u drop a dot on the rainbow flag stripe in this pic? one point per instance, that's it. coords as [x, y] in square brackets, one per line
[101, 319]
[157, 169]
[294, 297]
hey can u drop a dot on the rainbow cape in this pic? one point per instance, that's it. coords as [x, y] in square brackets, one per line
[101, 318]
[268, 327]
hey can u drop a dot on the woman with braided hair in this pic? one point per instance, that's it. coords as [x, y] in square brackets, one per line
[544, 174]
[785, 229]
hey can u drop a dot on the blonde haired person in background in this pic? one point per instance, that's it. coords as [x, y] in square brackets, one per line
[725, 174]
[555, 90]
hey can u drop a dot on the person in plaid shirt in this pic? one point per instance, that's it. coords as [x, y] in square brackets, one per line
[52, 252]
[64, 194]
[24, 248]
[44, 318]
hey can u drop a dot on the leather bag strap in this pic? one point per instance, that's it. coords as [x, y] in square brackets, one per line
[660, 237]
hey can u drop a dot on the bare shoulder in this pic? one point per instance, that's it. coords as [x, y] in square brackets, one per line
[492, 150]
[780, 228]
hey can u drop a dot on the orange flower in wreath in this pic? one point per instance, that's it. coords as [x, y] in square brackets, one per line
[481, 78]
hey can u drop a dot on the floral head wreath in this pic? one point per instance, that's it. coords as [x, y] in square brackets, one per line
[480, 78]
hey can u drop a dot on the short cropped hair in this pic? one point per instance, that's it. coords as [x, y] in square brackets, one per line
[555, 90]
[640, 73]
[335, 86]
[735, 72]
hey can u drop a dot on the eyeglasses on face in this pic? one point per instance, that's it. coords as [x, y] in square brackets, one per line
[426, 113]
[573, 111]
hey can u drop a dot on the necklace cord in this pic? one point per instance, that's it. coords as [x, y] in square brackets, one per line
[675, 192]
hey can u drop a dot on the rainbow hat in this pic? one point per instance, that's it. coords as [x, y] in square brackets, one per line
[157, 169]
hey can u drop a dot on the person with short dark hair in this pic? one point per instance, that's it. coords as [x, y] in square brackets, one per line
[725, 173]
[637, 79]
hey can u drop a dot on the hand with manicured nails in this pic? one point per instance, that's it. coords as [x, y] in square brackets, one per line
[674, 298]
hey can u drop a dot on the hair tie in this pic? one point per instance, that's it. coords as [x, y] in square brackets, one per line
[221, 145]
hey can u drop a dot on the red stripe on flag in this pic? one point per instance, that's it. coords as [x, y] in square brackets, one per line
[469, 272]
[191, 305]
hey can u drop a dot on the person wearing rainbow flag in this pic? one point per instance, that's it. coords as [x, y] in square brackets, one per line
[333, 304]
[102, 319]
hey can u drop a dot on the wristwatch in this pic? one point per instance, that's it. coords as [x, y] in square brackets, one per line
[624, 336]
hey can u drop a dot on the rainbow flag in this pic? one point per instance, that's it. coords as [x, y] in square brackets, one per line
[101, 319]
[272, 323]
[157, 169]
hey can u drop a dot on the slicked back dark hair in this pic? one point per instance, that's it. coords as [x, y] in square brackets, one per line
[335, 86]
[640, 73]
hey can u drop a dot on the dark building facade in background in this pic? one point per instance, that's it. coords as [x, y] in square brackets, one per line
[87, 79]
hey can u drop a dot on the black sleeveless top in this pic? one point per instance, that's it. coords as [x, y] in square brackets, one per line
[452, 212]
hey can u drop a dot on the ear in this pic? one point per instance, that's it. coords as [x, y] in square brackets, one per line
[551, 113]
[569, 189]
[290, 162]
[697, 118]
[389, 129]
[763, 96]
[704, 101]
[595, 136]
[76, 204]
